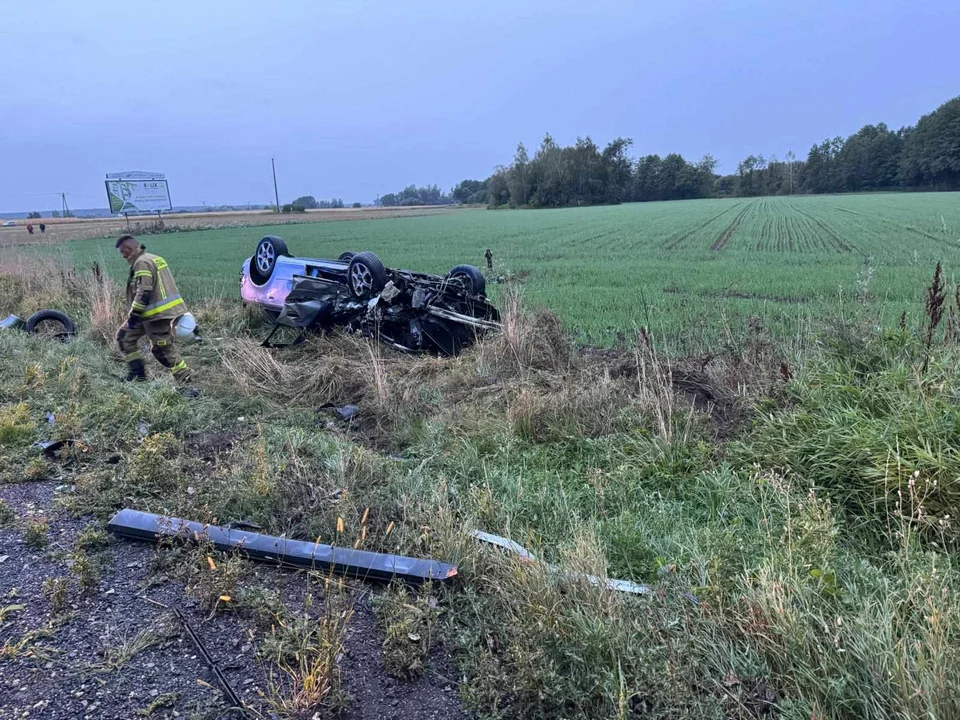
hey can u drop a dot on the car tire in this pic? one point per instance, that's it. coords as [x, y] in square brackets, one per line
[475, 283]
[264, 258]
[366, 275]
[347, 256]
[54, 317]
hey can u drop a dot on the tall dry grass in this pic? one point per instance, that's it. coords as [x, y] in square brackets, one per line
[32, 281]
[530, 377]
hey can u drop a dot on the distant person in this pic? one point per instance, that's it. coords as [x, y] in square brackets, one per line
[154, 306]
[30, 228]
[489, 256]
[43, 228]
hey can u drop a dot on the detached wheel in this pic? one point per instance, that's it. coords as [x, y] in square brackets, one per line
[264, 259]
[473, 279]
[51, 324]
[347, 256]
[366, 275]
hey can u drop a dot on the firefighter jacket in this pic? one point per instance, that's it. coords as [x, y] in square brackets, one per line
[151, 291]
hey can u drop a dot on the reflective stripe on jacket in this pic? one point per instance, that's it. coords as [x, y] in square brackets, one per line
[151, 290]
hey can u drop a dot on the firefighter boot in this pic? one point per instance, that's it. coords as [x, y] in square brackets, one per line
[136, 372]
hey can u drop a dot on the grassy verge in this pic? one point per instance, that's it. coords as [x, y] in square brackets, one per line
[806, 503]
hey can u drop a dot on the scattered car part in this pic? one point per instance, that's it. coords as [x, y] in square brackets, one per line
[362, 564]
[345, 412]
[11, 322]
[235, 701]
[50, 447]
[41, 319]
[410, 311]
[626, 586]
[45, 318]
[505, 543]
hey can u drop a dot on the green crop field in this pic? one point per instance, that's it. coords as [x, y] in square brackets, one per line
[688, 268]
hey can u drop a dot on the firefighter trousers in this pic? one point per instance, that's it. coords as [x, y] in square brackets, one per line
[163, 346]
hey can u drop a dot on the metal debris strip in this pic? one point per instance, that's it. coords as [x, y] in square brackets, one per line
[235, 701]
[625, 586]
[505, 543]
[361, 564]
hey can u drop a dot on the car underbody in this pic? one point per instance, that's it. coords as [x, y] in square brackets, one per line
[410, 311]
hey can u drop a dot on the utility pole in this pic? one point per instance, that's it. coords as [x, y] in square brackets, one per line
[63, 202]
[276, 195]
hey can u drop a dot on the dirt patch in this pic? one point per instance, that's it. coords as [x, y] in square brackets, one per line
[690, 380]
[116, 652]
[377, 696]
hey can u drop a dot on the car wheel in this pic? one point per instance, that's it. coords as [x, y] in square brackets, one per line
[264, 259]
[51, 324]
[346, 256]
[473, 279]
[366, 275]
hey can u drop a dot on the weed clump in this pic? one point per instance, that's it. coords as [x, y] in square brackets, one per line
[37, 534]
[307, 651]
[17, 426]
[92, 538]
[86, 569]
[57, 589]
[410, 624]
[7, 516]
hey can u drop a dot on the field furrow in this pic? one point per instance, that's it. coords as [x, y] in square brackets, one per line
[839, 243]
[678, 242]
[729, 232]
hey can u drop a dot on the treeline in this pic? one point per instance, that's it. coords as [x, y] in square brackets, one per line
[585, 174]
[309, 202]
[413, 195]
[924, 156]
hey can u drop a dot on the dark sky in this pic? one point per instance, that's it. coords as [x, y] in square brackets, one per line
[358, 98]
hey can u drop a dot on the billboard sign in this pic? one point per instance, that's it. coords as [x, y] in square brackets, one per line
[134, 192]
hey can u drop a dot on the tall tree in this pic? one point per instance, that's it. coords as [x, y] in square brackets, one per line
[869, 159]
[518, 179]
[618, 169]
[646, 178]
[931, 151]
[307, 201]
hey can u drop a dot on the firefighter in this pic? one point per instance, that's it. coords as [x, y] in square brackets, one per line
[154, 306]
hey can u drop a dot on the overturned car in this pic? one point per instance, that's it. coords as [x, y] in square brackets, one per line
[410, 311]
